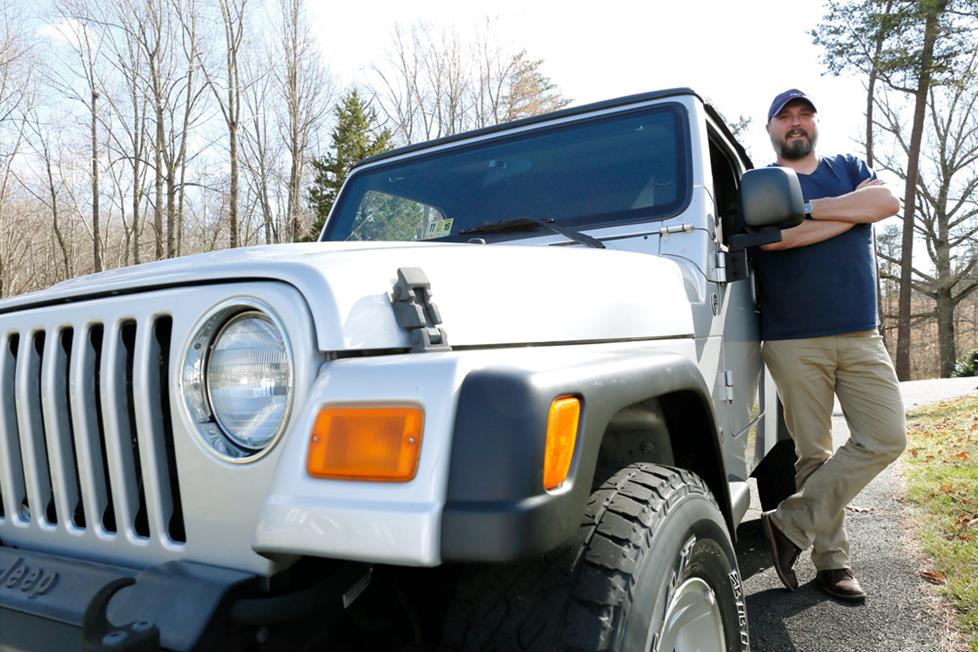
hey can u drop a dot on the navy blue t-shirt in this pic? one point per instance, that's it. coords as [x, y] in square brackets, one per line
[826, 288]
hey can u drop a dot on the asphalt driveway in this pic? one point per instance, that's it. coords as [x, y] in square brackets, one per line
[902, 613]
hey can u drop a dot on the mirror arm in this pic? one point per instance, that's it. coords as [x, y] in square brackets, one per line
[763, 236]
[736, 254]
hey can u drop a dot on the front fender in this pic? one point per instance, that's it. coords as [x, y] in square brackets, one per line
[496, 507]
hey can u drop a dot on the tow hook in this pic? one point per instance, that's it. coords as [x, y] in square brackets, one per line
[99, 635]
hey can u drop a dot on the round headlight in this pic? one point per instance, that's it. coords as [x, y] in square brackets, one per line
[237, 380]
[249, 380]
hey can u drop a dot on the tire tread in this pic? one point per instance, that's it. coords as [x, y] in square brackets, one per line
[574, 598]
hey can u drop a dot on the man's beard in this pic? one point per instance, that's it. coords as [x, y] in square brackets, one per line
[797, 148]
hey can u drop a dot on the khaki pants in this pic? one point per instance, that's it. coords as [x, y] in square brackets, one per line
[809, 372]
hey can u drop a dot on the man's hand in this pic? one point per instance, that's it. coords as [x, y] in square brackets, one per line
[871, 201]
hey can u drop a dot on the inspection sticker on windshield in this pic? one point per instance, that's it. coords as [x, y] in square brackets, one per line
[439, 228]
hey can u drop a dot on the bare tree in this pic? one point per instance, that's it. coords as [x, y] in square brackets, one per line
[53, 180]
[424, 87]
[85, 37]
[188, 111]
[436, 84]
[307, 93]
[16, 98]
[260, 147]
[128, 129]
[227, 92]
[947, 199]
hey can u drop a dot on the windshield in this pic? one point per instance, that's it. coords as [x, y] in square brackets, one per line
[620, 168]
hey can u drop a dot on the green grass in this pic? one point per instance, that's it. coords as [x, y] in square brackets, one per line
[941, 469]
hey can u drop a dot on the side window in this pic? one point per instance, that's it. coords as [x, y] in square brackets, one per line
[381, 216]
[724, 188]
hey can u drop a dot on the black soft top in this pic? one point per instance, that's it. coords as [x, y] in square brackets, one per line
[571, 111]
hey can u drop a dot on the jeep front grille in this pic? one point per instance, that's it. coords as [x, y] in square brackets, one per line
[99, 460]
[85, 423]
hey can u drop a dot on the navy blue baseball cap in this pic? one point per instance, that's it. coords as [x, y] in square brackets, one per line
[784, 98]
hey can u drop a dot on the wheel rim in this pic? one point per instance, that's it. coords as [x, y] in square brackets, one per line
[693, 622]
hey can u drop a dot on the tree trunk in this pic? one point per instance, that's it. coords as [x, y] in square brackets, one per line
[945, 332]
[55, 223]
[910, 194]
[171, 212]
[158, 209]
[233, 199]
[96, 231]
[137, 195]
[295, 224]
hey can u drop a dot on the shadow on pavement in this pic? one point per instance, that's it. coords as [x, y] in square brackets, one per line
[769, 610]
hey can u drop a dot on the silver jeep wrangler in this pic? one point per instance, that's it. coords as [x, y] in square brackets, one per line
[510, 401]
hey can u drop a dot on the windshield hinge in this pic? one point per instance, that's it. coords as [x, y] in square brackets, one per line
[415, 313]
[678, 228]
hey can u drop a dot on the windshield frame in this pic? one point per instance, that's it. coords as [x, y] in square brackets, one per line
[684, 170]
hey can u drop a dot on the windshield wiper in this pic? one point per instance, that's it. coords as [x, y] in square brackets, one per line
[529, 223]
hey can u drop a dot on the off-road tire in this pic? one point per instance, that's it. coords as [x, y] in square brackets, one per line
[646, 530]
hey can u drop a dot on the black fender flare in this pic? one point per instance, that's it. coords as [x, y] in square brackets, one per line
[496, 507]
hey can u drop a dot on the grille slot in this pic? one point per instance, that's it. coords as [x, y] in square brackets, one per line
[90, 429]
[58, 428]
[13, 491]
[39, 503]
[160, 353]
[119, 435]
[127, 334]
[78, 509]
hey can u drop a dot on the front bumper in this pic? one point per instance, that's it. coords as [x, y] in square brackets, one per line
[49, 602]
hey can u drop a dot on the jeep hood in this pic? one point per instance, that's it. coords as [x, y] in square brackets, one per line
[487, 294]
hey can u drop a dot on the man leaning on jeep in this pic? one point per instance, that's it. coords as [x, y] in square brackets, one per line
[817, 290]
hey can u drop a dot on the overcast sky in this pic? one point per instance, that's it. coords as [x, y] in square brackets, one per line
[739, 55]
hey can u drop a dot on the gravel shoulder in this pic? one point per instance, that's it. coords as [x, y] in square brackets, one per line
[903, 612]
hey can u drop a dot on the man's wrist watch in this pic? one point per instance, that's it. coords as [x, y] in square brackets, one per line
[807, 209]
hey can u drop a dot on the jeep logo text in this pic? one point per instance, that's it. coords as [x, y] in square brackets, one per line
[32, 581]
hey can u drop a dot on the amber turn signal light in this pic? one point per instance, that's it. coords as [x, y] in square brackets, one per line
[565, 414]
[366, 443]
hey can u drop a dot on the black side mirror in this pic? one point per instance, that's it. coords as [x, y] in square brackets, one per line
[770, 200]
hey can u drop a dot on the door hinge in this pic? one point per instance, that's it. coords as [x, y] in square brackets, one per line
[721, 267]
[728, 386]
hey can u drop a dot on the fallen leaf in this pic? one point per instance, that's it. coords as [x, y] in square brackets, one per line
[934, 577]
[946, 488]
[962, 455]
[860, 510]
[914, 452]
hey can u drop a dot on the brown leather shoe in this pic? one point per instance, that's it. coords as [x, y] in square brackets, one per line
[784, 552]
[840, 583]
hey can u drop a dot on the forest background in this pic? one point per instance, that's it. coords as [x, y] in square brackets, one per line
[137, 130]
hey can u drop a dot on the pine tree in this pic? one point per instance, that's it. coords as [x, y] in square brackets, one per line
[528, 91]
[355, 137]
